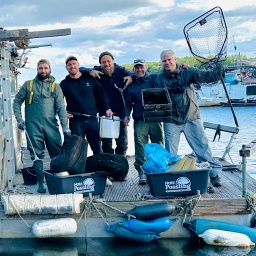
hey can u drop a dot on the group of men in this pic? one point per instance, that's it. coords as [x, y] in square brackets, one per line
[108, 90]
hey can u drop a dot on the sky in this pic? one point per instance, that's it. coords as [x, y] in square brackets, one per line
[129, 29]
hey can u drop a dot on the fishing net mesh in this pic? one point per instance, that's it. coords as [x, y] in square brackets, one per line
[207, 38]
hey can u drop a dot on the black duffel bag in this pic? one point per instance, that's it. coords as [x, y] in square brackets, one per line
[115, 166]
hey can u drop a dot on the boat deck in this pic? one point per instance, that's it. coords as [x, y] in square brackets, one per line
[130, 191]
[223, 203]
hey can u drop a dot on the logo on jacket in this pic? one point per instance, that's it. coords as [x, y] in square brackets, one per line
[87, 84]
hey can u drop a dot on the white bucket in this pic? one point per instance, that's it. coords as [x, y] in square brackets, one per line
[109, 127]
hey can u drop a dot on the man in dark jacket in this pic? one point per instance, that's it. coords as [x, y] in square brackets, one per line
[113, 79]
[84, 95]
[133, 101]
[186, 116]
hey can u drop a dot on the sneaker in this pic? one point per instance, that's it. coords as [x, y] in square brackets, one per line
[216, 181]
[142, 178]
[108, 183]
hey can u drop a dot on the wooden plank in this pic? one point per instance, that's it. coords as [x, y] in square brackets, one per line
[8, 35]
[220, 127]
[249, 149]
[205, 207]
[49, 33]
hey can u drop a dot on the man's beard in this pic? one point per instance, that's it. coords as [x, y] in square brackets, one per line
[43, 77]
[108, 72]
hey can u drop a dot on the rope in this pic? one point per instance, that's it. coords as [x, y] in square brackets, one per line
[113, 208]
[249, 200]
[13, 205]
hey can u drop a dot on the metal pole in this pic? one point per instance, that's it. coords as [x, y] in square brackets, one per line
[244, 170]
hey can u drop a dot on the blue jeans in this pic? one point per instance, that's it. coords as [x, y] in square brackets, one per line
[195, 136]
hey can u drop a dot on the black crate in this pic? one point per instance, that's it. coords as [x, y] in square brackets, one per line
[157, 105]
[178, 183]
[78, 184]
[156, 99]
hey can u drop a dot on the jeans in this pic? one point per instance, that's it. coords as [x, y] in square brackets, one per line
[195, 136]
[87, 127]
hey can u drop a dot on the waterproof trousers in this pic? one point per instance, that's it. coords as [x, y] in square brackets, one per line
[143, 132]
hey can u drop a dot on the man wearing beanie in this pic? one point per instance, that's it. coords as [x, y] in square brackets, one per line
[113, 79]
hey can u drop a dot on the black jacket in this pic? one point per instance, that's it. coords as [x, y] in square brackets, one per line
[109, 83]
[84, 95]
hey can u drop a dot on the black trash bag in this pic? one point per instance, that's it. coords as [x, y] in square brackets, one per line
[115, 166]
[72, 157]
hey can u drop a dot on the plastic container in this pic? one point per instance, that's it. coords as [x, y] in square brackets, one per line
[178, 183]
[157, 105]
[78, 184]
[109, 127]
[29, 176]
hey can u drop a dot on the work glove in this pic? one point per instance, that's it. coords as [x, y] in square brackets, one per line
[21, 124]
[66, 131]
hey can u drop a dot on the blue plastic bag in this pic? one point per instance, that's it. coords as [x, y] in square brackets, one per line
[158, 159]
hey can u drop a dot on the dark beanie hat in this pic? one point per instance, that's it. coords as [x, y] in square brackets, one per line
[105, 53]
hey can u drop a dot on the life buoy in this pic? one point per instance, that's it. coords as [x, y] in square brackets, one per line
[54, 227]
[226, 238]
[119, 231]
[149, 227]
[152, 211]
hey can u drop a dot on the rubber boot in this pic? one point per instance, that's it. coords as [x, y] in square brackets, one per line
[39, 167]
[142, 177]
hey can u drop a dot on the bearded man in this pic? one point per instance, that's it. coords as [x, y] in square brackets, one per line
[43, 101]
[113, 79]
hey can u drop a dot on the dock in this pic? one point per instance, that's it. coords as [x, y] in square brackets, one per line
[225, 203]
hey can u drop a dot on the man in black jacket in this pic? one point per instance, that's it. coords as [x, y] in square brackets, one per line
[84, 95]
[133, 101]
[113, 79]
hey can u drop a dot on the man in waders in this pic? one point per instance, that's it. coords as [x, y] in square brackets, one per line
[133, 102]
[43, 100]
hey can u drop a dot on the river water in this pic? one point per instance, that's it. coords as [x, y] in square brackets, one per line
[246, 117]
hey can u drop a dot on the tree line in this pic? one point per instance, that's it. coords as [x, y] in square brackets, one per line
[232, 60]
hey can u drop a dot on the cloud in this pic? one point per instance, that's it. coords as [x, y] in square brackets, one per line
[129, 29]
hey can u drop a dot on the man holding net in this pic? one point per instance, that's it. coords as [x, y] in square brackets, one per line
[185, 115]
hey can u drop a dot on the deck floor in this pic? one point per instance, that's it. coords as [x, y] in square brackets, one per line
[130, 190]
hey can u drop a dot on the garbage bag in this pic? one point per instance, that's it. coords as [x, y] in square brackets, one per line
[115, 166]
[72, 157]
[158, 159]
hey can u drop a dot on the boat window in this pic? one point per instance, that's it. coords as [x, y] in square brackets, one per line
[231, 78]
[251, 90]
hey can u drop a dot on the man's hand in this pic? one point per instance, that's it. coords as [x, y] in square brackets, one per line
[69, 115]
[127, 80]
[184, 65]
[109, 113]
[126, 120]
[96, 73]
[21, 124]
[66, 131]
